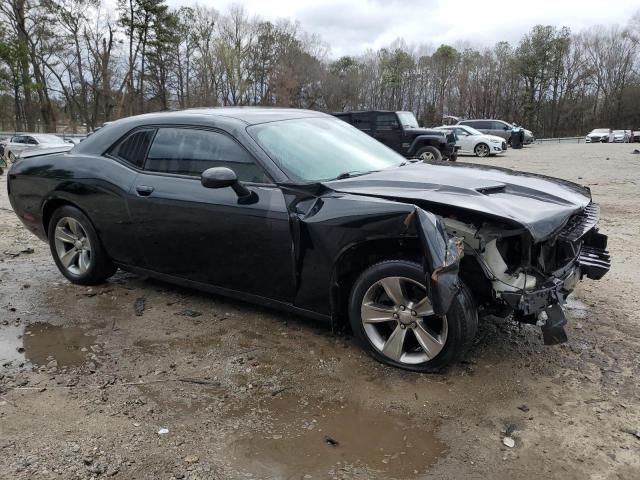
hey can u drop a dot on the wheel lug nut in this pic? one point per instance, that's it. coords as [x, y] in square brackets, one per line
[413, 313]
[395, 315]
[413, 324]
[403, 326]
[402, 307]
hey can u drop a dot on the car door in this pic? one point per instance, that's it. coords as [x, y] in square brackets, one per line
[16, 145]
[206, 235]
[500, 129]
[388, 130]
[30, 143]
[465, 141]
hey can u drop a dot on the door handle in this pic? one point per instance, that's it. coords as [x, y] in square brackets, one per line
[144, 190]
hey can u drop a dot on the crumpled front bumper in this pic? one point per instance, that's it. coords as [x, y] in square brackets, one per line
[593, 261]
[553, 291]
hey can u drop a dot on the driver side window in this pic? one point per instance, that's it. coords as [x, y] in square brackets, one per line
[190, 151]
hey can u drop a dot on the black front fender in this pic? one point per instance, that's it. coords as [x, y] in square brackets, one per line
[328, 224]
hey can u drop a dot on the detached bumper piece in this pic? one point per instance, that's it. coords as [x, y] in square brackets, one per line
[594, 262]
[553, 330]
[594, 259]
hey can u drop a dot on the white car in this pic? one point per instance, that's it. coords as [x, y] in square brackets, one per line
[621, 136]
[472, 141]
[33, 141]
[598, 135]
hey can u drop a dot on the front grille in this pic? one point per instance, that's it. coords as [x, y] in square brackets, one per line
[581, 223]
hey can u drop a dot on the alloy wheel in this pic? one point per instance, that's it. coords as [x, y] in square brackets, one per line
[427, 156]
[482, 150]
[399, 321]
[73, 246]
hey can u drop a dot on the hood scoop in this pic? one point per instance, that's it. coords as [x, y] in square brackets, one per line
[488, 190]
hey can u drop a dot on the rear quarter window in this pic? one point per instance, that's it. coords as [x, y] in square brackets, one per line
[133, 148]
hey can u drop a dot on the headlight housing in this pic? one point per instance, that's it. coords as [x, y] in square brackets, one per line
[495, 140]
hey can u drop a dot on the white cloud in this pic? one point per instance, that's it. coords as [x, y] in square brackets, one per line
[351, 26]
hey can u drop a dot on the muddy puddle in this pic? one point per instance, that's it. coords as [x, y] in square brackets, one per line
[39, 343]
[320, 442]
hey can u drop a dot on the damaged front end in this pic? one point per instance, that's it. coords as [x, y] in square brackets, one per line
[442, 255]
[532, 280]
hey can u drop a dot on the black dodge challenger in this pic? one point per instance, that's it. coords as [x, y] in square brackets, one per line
[298, 210]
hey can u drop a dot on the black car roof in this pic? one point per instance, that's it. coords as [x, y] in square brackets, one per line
[229, 118]
[248, 115]
[366, 111]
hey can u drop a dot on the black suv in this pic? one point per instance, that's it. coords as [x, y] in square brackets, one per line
[400, 132]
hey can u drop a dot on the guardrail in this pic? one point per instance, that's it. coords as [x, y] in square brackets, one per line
[561, 140]
[63, 135]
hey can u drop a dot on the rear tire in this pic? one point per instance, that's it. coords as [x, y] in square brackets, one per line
[429, 342]
[11, 159]
[76, 248]
[429, 153]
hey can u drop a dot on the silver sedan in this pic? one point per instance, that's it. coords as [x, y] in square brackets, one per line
[35, 141]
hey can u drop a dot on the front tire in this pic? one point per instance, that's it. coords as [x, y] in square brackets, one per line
[392, 317]
[11, 159]
[482, 150]
[76, 248]
[429, 153]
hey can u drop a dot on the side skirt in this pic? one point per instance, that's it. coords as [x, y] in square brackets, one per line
[225, 292]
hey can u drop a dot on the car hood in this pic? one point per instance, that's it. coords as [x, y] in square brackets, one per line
[595, 134]
[542, 205]
[425, 131]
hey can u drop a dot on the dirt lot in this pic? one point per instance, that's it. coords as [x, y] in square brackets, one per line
[87, 384]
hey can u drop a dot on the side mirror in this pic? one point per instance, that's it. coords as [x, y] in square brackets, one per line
[218, 177]
[222, 177]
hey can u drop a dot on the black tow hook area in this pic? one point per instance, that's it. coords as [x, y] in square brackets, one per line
[553, 330]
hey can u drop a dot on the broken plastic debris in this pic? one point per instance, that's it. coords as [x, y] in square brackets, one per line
[163, 431]
[509, 442]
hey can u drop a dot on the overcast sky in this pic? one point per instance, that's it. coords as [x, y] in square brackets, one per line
[352, 26]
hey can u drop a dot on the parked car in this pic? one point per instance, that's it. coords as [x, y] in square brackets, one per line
[499, 128]
[298, 210]
[32, 141]
[471, 141]
[400, 132]
[598, 135]
[622, 136]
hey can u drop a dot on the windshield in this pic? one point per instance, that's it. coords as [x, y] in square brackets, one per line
[472, 131]
[601, 130]
[408, 119]
[49, 139]
[317, 149]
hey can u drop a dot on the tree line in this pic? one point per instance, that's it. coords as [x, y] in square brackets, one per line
[72, 65]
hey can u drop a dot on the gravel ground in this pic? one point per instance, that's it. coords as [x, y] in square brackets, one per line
[141, 379]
